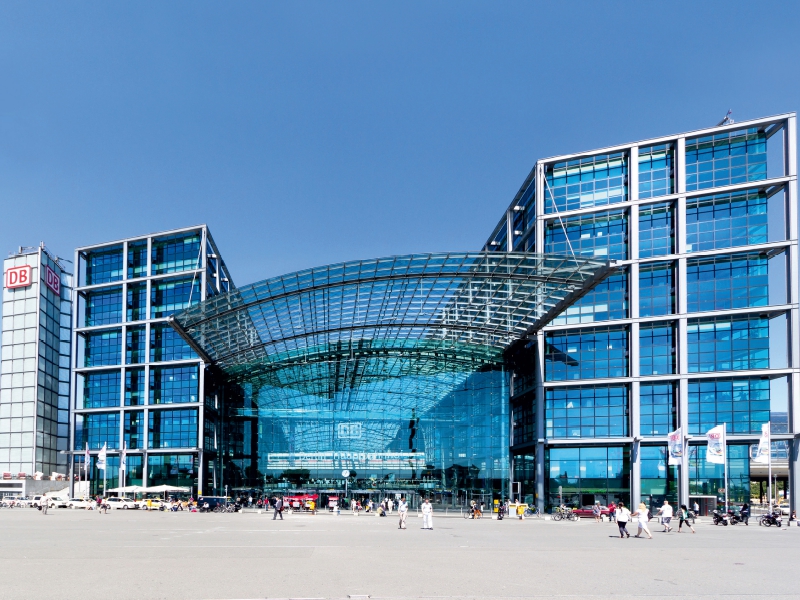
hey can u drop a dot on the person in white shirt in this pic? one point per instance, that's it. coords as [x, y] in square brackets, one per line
[427, 515]
[402, 510]
[641, 514]
[390, 505]
[623, 515]
[666, 516]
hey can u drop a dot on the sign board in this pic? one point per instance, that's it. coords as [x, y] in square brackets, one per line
[17, 277]
[53, 281]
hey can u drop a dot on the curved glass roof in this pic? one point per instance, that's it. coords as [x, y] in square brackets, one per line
[461, 308]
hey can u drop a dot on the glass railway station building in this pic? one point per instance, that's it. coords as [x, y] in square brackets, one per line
[624, 293]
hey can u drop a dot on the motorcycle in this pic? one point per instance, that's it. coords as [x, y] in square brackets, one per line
[734, 518]
[770, 519]
[719, 517]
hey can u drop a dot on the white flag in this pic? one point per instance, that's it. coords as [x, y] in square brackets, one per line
[101, 459]
[122, 456]
[86, 459]
[715, 453]
[763, 452]
[675, 446]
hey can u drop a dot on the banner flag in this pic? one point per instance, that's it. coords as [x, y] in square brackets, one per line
[715, 453]
[101, 458]
[675, 445]
[86, 458]
[122, 457]
[762, 454]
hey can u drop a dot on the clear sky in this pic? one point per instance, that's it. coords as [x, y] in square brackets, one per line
[309, 133]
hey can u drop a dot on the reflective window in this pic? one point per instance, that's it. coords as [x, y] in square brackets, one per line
[166, 344]
[173, 385]
[587, 411]
[659, 480]
[101, 390]
[104, 266]
[706, 479]
[172, 295]
[656, 354]
[584, 182]
[587, 475]
[97, 429]
[586, 353]
[725, 282]
[137, 302]
[523, 420]
[523, 216]
[608, 300]
[726, 221]
[725, 344]
[656, 176]
[657, 415]
[656, 234]
[176, 253]
[137, 259]
[172, 429]
[134, 387]
[103, 348]
[135, 345]
[656, 289]
[744, 404]
[103, 307]
[602, 235]
[134, 429]
[172, 469]
[726, 159]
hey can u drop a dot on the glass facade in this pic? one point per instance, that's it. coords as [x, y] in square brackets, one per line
[586, 354]
[726, 159]
[725, 282]
[728, 344]
[606, 302]
[582, 476]
[726, 221]
[656, 289]
[656, 349]
[658, 414]
[656, 235]
[656, 171]
[598, 235]
[587, 411]
[586, 182]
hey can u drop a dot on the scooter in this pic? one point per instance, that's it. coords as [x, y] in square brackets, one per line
[770, 519]
[733, 518]
[719, 517]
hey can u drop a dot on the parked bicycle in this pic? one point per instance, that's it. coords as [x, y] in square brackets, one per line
[565, 513]
[532, 512]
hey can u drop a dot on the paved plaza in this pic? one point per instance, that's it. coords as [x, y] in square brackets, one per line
[138, 555]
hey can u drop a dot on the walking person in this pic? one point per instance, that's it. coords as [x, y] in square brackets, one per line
[612, 512]
[642, 516]
[278, 509]
[43, 503]
[622, 515]
[683, 517]
[666, 516]
[402, 510]
[427, 515]
[597, 512]
[391, 505]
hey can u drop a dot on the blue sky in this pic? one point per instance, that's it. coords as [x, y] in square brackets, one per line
[309, 133]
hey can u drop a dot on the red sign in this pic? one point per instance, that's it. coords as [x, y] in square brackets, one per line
[53, 281]
[17, 277]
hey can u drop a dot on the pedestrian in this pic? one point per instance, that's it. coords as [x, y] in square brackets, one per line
[427, 515]
[666, 516]
[402, 510]
[391, 505]
[642, 516]
[250, 501]
[43, 503]
[683, 517]
[612, 512]
[278, 509]
[622, 516]
[744, 513]
[696, 508]
[597, 512]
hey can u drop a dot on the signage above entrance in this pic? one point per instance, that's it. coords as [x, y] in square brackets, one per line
[17, 277]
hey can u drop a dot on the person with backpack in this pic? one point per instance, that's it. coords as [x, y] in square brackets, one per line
[278, 509]
[683, 517]
[622, 515]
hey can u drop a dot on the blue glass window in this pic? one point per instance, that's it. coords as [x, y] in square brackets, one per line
[172, 469]
[172, 429]
[726, 159]
[585, 182]
[173, 385]
[134, 429]
[726, 344]
[104, 266]
[176, 253]
[103, 348]
[134, 387]
[101, 390]
[135, 345]
[706, 479]
[499, 242]
[726, 221]
[103, 307]
[607, 301]
[586, 411]
[657, 415]
[725, 282]
[137, 302]
[166, 344]
[97, 429]
[743, 404]
[659, 480]
[656, 236]
[656, 344]
[137, 259]
[586, 354]
[586, 475]
[656, 177]
[656, 290]
[171, 295]
[602, 235]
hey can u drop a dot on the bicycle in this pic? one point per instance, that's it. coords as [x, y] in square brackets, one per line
[473, 513]
[532, 512]
[565, 513]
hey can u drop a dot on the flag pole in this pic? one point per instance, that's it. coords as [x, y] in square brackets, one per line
[769, 464]
[725, 460]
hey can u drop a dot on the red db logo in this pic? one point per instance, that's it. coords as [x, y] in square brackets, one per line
[53, 281]
[17, 277]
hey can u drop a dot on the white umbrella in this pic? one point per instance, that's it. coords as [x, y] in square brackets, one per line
[165, 488]
[127, 488]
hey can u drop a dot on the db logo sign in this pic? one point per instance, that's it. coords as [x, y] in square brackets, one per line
[17, 277]
[53, 281]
